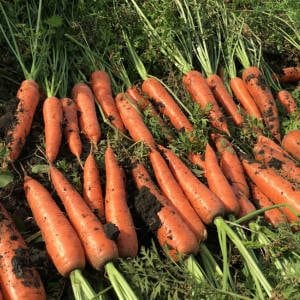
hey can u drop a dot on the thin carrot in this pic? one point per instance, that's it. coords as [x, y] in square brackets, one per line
[274, 187]
[116, 207]
[287, 101]
[273, 216]
[197, 159]
[218, 183]
[263, 97]
[133, 121]
[174, 193]
[71, 129]
[291, 143]
[241, 93]
[28, 95]
[170, 229]
[198, 88]
[99, 249]
[53, 118]
[101, 86]
[92, 190]
[166, 104]
[224, 98]
[83, 96]
[290, 74]
[62, 243]
[205, 202]
[18, 279]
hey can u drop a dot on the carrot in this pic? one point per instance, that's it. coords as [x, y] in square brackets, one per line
[88, 121]
[101, 86]
[92, 191]
[166, 104]
[276, 188]
[205, 202]
[170, 229]
[133, 121]
[201, 94]
[53, 118]
[241, 93]
[286, 99]
[18, 279]
[273, 216]
[291, 143]
[116, 207]
[196, 159]
[263, 97]
[28, 95]
[99, 249]
[224, 98]
[62, 243]
[71, 129]
[174, 193]
[218, 183]
[290, 74]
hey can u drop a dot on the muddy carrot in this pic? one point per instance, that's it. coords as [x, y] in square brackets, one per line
[286, 99]
[18, 279]
[291, 143]
[196, 159]
[290, 74]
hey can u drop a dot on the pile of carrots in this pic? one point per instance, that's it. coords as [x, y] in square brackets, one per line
[172, 201]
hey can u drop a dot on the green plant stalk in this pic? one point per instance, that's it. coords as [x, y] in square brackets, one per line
[194, 269]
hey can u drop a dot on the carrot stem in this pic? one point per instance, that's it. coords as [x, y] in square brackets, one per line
[195, 269]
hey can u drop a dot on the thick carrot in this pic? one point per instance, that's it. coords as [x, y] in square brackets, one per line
[287, 101]
[99, 249]
[166, 104]
[92, 190]
[116, 207]
[273, 216]
[241, 93]
[53, 118]
[28, 95]
[133, 121]
[171, 230]
[196, 159]
[224, 98]
[71, 129]
[218, 183]
[263, 97]
[62, 243]
[174, 193]
[205, 202]
[198, 88]
[290, 74]
[18, 279]
[274, 187]
[101, 86]
[291, 143]
[83, 96]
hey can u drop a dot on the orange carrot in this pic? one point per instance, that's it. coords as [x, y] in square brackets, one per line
[62, 243]
[241, 93]
[205, 202]
[53, 118]
[198, 88]
[290, 74]
[196, 159]
[218, 183]
[18, 279]
[166, 104]
[116, 208]
[287, 101]
[174, 193]
[263, 97]
[273, 216]
[71, 129]
[133, 121]
[102, 89]
[274, 187]
[88, 121]
[99, 249]
[224, 98]
[92, 191]
[171, 230]
[28, 95]
[291, 143]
